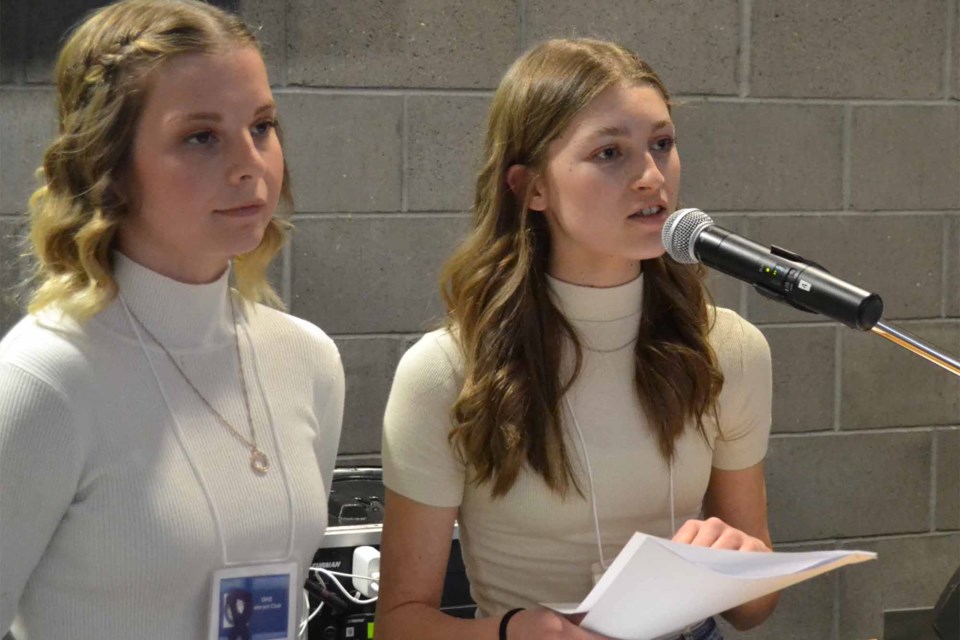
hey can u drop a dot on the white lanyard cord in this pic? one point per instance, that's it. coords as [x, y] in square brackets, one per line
[673, 519]
[593, 495]
[178, 432]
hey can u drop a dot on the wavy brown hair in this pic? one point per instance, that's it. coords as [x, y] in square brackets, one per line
[498, 302]
[103, 75]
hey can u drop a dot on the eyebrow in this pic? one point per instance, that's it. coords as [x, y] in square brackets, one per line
[615, 131]
[209, 116]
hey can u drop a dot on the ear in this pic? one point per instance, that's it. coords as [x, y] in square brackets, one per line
[518, 179]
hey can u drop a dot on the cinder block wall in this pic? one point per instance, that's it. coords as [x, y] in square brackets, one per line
[830, 128]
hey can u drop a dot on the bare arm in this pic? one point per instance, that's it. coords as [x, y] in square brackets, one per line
[735, 506]
[415, 548]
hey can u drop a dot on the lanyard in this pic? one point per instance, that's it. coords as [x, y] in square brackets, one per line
[181, 440]
[593, 495]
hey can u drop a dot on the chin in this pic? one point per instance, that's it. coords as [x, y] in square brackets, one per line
[244, 246]
[651, 254]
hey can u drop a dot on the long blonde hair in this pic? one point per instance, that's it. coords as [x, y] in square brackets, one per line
[102, 78]
[496, 293]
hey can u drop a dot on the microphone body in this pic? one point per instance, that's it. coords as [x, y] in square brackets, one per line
[690, 236]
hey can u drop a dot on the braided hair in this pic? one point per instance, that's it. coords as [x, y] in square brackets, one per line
[103, 76]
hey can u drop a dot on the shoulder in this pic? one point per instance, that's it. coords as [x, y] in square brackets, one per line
[46, 379]
[298, 339]
[435, 360]
[737, 343]
[49, 347]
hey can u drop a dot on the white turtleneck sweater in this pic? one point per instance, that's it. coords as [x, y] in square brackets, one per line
[531, 546]
[105, 528]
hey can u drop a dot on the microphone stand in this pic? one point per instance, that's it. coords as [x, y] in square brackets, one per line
[916, 345]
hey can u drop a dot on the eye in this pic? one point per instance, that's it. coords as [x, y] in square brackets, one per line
[608, 153]
[665, 143]
[263, 127]
[200, 138]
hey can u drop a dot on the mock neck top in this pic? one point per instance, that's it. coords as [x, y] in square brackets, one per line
[182, 316]
[607, 318]
[125, 491]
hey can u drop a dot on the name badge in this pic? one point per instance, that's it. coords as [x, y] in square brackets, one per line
[256, 601]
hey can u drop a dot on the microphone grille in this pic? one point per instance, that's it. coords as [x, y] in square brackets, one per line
[680, 231]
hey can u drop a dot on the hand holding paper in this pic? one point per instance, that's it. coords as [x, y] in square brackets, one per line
[655, 587]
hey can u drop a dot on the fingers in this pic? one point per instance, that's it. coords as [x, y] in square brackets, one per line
[687, 532]
[579, 633]
[542, 624]
[716, 534]
[575, 618]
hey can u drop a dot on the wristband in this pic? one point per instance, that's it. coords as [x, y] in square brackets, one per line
[505, 619]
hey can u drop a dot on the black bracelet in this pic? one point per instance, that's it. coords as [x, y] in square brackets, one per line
[505, 619]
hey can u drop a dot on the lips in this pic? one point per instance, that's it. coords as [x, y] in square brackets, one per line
[243, 210]
[651, 211]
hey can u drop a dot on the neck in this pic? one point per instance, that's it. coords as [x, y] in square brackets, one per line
[597, 276]
[183, 316]
[189, 270]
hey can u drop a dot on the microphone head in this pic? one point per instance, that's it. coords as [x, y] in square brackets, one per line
[680, 233]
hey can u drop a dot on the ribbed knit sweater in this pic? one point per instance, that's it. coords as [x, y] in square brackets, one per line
[532, 546]
[105, 530]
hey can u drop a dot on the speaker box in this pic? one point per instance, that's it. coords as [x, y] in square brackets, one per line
[946, 613]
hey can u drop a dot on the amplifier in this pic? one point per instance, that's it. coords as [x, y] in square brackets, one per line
[356, 519]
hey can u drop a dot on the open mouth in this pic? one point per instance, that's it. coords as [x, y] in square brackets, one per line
[647, 212]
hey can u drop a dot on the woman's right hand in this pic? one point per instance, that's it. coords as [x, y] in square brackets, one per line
[543, 624]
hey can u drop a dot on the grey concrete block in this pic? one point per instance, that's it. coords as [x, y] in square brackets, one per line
[805, 610]
[877, 48]
[951, 285]
[743, 156]
[884, 385]
[369, 364]
[830, 486]
[268, 20]
[444, 151]
[804, 374]
[954, 89]
[948, 479]
[29, 118]
[48, 22]
[726, 291]
[913, 570]
[418, 43]
[692, 45]
[12, 38]
[12, 272]
[898, 257]
[890, 171]
[344, 152]
[372, 274]
[860, 599]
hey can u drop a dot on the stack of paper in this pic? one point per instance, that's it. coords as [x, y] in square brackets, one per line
[656, 587]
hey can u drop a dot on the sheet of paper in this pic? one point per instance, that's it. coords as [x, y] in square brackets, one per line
[655, 586]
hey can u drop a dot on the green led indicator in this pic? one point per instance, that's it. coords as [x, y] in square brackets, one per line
[369, 631]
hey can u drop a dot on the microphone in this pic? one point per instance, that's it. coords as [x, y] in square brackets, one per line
[690, 236]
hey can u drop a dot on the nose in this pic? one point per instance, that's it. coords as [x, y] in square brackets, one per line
[246, 160]
[648, 174]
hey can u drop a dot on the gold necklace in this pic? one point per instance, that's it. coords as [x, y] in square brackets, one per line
[258, 459]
